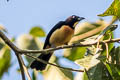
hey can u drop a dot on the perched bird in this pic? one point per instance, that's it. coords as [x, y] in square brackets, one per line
[60, 34]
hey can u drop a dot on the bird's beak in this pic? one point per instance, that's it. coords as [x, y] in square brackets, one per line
[80, 18]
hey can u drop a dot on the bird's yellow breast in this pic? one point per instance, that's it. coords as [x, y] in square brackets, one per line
[61, 36]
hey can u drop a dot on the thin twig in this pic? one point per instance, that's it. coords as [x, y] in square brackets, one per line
[25, 69]
[107, 52]
[98, 44]
[107, 49]
[21, 66]
[70, 69]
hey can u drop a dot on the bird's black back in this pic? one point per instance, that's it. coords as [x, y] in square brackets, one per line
[57, 26]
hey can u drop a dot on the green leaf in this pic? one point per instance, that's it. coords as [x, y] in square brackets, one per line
[113, 65]
[37, 32]
[113, 10]
[113, 70]
[75, 53]
[85, 77]
[5, 60]
[99, 72]
[115, 56]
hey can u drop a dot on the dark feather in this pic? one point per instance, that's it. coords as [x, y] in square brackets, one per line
[39, 65]
[57, 26]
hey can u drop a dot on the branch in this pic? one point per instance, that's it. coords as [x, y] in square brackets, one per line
[20, 64]
[25, 52]
[8, 42]
[45, 51]
[40, 60]
[12, 46]
[20, 60]
[25, 69]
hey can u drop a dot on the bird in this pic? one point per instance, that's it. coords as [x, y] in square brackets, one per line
[59, 35]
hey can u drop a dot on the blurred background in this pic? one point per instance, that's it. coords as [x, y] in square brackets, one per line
[18, 16]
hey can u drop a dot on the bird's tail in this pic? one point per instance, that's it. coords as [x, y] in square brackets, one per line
[39, 65]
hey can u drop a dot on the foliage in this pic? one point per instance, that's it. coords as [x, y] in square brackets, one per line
[37, 32]
[99, 62]
[5, 56]
[113, 10]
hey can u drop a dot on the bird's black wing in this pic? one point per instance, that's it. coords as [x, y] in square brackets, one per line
[57, 26]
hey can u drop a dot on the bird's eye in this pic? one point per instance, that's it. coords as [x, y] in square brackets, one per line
[73, 16]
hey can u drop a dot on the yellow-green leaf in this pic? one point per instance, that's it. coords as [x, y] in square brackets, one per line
[113, 10]
[5, 60]
[75, 53]
[37, 31]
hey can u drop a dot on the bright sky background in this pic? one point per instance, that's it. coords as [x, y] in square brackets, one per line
[18, 16]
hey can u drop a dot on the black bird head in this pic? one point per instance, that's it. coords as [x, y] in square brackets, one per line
[73, 20]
